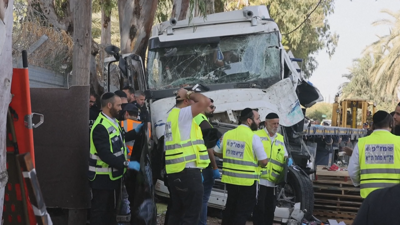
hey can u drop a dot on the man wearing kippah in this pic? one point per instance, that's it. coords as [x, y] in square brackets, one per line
[243, 155]
[375, 162]
[274, 147]
[107, 160]
[185, 157]
[395, 129]
[122, 95]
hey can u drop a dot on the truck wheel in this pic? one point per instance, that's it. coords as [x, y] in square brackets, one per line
[299, 186]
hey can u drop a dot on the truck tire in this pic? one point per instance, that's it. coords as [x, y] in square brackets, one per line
[300, 186]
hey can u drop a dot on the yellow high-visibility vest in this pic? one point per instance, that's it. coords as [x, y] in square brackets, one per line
[200, 118]
[379, 158]
[178, 152]
[240, 166]
[117, 147]
[276, 156]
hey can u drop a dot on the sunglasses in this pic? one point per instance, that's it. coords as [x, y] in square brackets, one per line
[213, 107]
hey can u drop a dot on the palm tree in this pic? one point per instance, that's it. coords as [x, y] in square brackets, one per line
[360, 86]
[385, 73]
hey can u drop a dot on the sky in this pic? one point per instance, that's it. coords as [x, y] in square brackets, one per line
[352, 20]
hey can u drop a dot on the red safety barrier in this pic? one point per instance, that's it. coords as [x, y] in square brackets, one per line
[17, 206]
[21, 104]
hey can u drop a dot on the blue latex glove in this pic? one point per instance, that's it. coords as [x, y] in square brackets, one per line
[290, 161]
[219, 143]
[202, 178]
[216, 174]
[134, 165]
[137, 129]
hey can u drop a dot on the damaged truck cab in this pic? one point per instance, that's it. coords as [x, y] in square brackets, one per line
[239, 57]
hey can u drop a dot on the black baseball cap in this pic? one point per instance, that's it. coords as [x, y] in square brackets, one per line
[130, 107]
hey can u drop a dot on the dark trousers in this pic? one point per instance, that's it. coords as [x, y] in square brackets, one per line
[208, 183]
[186, 193]
[130, 178]
[102, 211]
[265, 208]
[240, 204]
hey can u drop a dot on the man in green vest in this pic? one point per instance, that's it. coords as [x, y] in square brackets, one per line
[274, 147]
[107, 160]
[211, 172]
[375, 162]
[243, 155]
[185, 157]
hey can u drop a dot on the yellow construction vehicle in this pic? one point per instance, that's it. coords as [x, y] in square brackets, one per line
[352, 113]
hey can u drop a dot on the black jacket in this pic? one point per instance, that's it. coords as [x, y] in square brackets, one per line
[144, 115]
[381, 207]
[102, 144]
[93, 113]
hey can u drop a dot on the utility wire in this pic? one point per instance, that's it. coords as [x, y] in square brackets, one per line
[308, 16]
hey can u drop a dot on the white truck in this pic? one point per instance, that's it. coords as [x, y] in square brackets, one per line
[239, 57]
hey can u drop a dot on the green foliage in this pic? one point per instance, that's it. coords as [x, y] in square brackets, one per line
[96, 27]
[201, 5]
[386, 71]
[219, 5]
[164, 10]
[60, 7]
[108, 6]
[312, 36]
[317, 111]
[376, 75]
[360, 85]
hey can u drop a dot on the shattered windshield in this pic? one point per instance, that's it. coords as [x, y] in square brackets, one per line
[235, 59]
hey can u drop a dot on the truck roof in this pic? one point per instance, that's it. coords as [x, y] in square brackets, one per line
[251, 19]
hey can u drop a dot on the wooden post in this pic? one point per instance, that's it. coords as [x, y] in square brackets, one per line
[82, 42]
[6, 26]
[82, 36]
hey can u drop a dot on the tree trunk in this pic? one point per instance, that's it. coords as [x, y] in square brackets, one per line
[82, 42]
[210, 7]
[63, 23]
[135, 22]
[83, 47]
[6, 26]
[180, 9]
[219, 6]
[104, 42]
[105, 25]
[95, 80]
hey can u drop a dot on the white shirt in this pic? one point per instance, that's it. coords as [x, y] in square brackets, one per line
[185, 126]
[266, 182]
[258, 148]
[354, 164]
